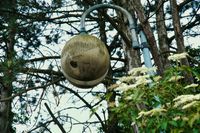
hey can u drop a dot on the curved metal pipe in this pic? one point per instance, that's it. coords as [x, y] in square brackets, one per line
[132, 27]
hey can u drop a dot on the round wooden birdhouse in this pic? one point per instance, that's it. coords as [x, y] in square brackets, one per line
[85, 61]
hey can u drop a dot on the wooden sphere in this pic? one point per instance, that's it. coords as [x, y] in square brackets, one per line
[85, 61]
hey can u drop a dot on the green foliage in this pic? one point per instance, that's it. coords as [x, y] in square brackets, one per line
[11, 68]
[194, 52]
[34, 26]
[167, 104]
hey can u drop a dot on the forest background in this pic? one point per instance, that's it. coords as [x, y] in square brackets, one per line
[36, 97]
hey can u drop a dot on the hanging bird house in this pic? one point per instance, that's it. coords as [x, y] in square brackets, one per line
[85, 61]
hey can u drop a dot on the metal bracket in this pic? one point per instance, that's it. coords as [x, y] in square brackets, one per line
[144, 45]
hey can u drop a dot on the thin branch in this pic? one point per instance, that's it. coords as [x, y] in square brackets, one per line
[40, 16]
[183, 28]
[194, 60]
[156, 11]
[86, 103]
[29, 89]
[183, 4]
[41, 125]
[43, 58]
[54, 118]
[44, 71]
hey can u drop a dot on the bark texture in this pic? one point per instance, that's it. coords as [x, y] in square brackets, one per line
[5, 110]
[149, 34]
[179, 38]
[6, 115]
[162, 33]
[132, 55]
[177, 30]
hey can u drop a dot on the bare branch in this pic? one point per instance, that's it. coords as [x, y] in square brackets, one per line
[29, 89]
[43, 58]
[183, 4]
[44, 71]
[54, 118]
[86, 103]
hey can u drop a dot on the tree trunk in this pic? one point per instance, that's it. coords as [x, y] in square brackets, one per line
[6, 115]
[179, 37]
[149, 34]
[162, 33]
[177, 30]
[132, 55]
[5, 110]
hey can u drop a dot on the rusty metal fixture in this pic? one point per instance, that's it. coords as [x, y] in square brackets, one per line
[85, 61]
